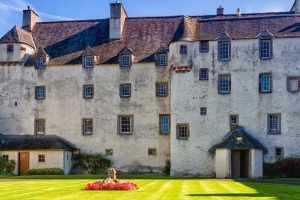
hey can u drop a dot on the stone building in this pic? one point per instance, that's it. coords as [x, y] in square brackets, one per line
[215, 94]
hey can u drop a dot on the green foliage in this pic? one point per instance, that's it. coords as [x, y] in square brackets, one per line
[92, 163]
[288, 167]
[7, 167]
[45, 171]
[2, 162]
[167, 169]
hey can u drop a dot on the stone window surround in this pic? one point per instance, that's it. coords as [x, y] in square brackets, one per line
[87, 123]
[274, 132]
[160, 61]
[270, 41]
[160, 123]
[152, 151]
[270, 83]
[37, 93]
[206, 44]
[180, 126]
[121, 91]
[41, 62]
[289, 78]
[229, 84]
[86, 94]
[88, 61]
[41, 158]
[126, 60]
[220, 53]
[200, 74]
[39, 126]
[157, 84]
[109, 152]
[130, 124]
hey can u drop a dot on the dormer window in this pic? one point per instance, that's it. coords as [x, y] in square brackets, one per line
[41, 62]
[88, 61]
[265, 49]
[125, 60]
[10, 48]
[224, 50]
[183, 49]
[161, 59]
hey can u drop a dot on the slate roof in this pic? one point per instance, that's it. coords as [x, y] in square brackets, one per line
[248, 141]
[64, 41]
[18, 35]
[34, 142]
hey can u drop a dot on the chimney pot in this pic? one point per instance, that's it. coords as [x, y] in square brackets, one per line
[239, 12]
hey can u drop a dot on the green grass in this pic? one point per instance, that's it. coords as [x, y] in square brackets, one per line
[148, 189]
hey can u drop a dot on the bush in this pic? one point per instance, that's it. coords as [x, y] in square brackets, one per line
[167, 169]
[9, 166]
[288, 167]
[45, 171]
[2, 162]
[92, 163]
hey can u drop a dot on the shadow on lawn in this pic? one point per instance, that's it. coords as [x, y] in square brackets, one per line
[227, 195]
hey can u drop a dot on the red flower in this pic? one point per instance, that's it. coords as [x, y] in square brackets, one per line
[111, 186]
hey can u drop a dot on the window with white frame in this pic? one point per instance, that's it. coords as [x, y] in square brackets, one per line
[125, 90]
[40, 92]
[161, 89]
[41, 158]
[40, 126]
[125, 124]
[293, 83]
[161, 59]
[88, 91]
[87, 126]
[183, 131]
[224, 84]
[41, 62]
[274, 123]
[224, 51]
[125, 61]
[203, 111]
[88, 61]
[203, 74]
[6, 158]
[164, 121]
[204, 47]
[265, 49]
[265, 83]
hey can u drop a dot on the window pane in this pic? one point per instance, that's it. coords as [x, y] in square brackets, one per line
[224, 50]
[273, 123]
[125, 124]
[88, 91]
[183, 49]
[164, 122]
[203, 46]
[203, 111]
[40, 92]
[224, 84]
[88, 61]
[294, 85]
[265, 83]
[88, 126]
[125, 90]
[265, 49]
[182, 131]
[161, 59]
[203, 74]
[41, 62]
[161, 89]
[40, 126]
[125, 60]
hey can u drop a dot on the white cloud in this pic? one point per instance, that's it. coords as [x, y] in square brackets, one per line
[50, 16]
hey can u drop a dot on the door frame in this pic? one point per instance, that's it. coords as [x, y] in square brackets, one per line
[19, 159]
[243, 168]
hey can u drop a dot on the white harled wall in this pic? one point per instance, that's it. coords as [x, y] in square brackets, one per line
[191, 156]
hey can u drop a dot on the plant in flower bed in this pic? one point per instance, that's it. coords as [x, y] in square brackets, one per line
[114, 185]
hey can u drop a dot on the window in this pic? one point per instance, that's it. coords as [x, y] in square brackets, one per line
[279, 153]
[293, 83]
[125, 61]
[40, 92]
[152, 151]
[125, 90]
[224, 51]
[125, 124]
[265, 83]
[203, 111]
[234, 121]
[265, 49]
[109, 152]
[41, 62]
[164, 124]
[40, 126]
[88, 61]
[88, 91]
[161, 89]
[182, 131]
[6, 158]
[183, 49]
[42, 158]
[10, 48]
[161, 59]
[224, 84]
[203, 74]
[274, 123]
[87, 126]
[204, 46]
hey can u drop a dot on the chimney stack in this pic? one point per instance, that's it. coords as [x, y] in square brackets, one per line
[117, 20]
[239, 12]
[220, 10]
[30, 18]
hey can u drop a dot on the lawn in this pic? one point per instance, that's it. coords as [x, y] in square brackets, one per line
[148, 189]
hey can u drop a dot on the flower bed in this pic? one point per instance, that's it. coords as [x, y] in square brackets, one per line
[111, 186]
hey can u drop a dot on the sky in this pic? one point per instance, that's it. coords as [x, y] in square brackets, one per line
[57, 10]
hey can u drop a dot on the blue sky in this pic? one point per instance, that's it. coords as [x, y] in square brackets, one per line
[56, 10]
